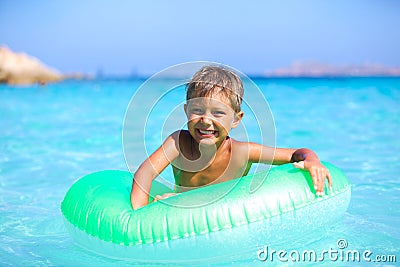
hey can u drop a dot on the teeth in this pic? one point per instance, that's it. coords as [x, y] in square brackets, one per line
[206, 132]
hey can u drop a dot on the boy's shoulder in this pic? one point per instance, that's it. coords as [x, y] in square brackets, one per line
[181, 134]
[181, 137]
[239, 146]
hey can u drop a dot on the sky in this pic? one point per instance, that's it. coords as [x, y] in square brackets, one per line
[123, 37]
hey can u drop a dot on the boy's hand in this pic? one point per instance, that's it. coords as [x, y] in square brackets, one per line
[166, 195]
[318, 174]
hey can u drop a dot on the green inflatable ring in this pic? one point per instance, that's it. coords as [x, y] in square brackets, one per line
[99, 215]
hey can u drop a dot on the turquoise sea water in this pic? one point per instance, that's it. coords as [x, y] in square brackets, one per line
[52, 135]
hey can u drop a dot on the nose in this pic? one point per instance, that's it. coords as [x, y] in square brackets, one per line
[206, 119]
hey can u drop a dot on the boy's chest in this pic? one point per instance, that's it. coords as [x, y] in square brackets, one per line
[216, 171]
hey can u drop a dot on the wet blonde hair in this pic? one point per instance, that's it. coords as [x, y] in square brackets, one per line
[212, 80]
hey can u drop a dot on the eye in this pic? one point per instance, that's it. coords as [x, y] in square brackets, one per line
[219, 113]
[197, 111]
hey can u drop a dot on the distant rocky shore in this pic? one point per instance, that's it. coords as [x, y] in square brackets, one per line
[318, 69]
[23, 69]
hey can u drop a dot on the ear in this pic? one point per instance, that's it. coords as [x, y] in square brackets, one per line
[238, 118]
[185, 109]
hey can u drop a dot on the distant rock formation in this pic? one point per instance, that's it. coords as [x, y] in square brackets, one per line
[22, 69]
[318, 69]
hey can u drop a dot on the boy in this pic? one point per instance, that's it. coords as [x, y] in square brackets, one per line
[205, 154]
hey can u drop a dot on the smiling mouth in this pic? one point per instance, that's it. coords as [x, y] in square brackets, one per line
[206, 133]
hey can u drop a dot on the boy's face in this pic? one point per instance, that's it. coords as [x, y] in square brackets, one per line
[211, 119]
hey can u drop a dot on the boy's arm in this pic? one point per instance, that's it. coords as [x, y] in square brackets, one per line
[150, 169]
[306, 159]
[301, 158]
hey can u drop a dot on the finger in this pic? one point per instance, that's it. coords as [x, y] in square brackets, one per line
[299, 164]
[314, 179]
[323, 177]
[167, 195]
[156, 198]
[329, 177]
[321, 182]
